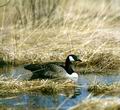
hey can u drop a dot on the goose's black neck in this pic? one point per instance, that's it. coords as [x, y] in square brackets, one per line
[68, 67]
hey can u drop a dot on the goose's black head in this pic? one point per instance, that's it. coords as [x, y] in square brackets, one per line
[69, 60]
[72, 58]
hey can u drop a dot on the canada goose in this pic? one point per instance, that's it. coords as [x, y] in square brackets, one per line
[52, 70]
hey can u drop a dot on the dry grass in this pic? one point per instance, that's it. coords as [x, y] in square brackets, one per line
[47, 87]
[98, 104]
[90, 34]
[89, 31]
[105, 89]
[35, 33]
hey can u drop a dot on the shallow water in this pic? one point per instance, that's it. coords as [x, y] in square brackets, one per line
[61, 101]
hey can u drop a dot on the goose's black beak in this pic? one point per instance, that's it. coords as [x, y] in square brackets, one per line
[79, 60]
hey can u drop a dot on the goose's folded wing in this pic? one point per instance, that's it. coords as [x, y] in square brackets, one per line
[34, 67]
[56, 68]
[56, 71]
[50, 71]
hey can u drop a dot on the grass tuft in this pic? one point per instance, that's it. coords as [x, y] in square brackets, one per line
[47, 87]
[98, 104]
[105, 89]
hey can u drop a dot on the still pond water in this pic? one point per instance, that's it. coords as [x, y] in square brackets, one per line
[52, 102]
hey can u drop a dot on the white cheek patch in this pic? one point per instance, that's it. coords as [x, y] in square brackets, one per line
[71, 58]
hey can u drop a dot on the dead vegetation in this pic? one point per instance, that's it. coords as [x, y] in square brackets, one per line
[105, 89]
[98, 104]
[50, 35]
[37, 31]
[47, 87]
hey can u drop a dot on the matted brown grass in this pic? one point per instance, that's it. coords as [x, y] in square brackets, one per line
[89, 31]
[98, 104]
[105, 89]
[47, 87]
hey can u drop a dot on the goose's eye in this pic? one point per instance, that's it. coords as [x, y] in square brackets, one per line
[71, 58]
